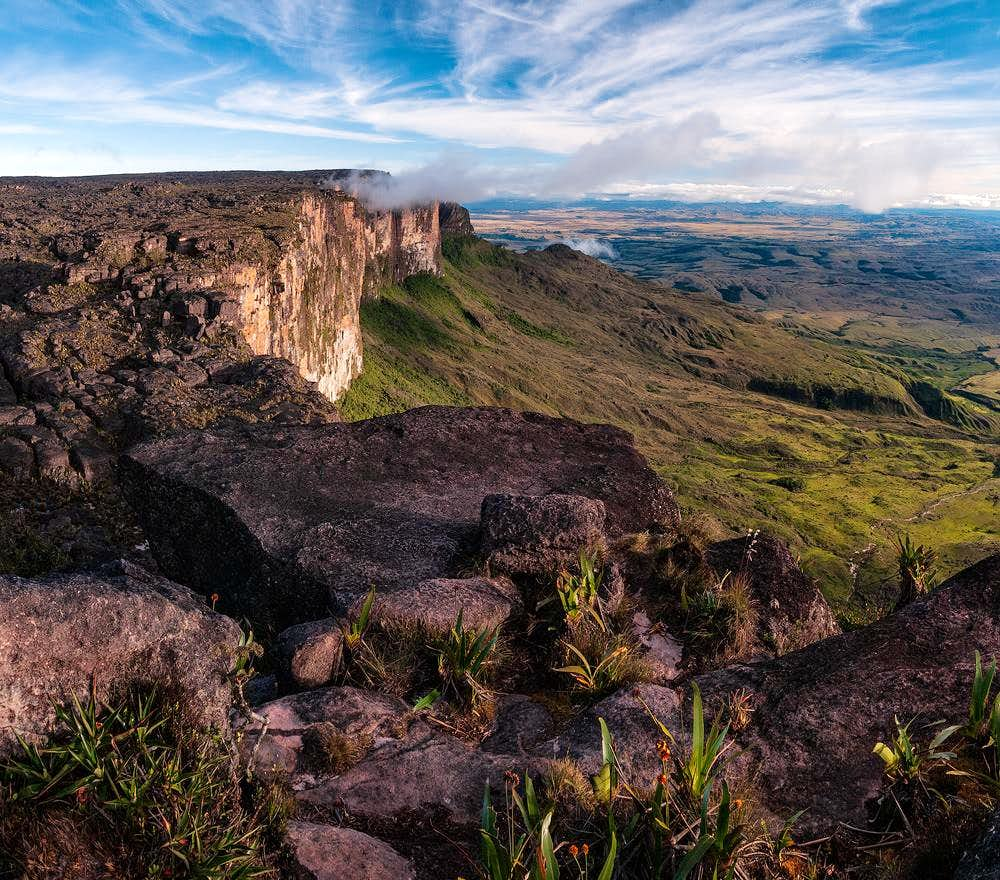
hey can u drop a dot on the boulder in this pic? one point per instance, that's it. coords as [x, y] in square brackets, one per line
[433, 606]
[539, 535]
[308, 653]
[60, 634]
[792, 610]
[323, 852]
[294, 521]
[817, 712]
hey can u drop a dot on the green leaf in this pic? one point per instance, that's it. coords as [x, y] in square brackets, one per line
[609, 862]
[694, 858]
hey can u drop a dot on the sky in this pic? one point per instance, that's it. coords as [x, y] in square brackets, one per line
[872, 103]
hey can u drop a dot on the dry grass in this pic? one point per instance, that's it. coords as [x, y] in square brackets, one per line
[331, 751]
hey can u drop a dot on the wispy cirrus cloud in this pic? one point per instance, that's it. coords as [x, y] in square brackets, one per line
[875, 102]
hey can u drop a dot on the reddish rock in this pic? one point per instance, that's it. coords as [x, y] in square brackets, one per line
[323, 852]
[351, 712]
[308, 653]
[62, 633]
[818, 711]
[429, 773]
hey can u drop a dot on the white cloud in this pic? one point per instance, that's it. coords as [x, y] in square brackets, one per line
[592, 247]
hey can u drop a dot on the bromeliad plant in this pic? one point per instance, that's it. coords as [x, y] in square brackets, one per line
[135, 773]
[578, 594]
[906, 761]
[599, 673]
[354, 631]
[917, 570]
[707, 751]
[525, 848]
[464, 658]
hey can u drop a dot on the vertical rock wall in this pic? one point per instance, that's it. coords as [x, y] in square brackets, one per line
[307, 310]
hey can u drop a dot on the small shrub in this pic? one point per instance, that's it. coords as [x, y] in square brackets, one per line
[332, 751]
[792, 484]
[568, 789]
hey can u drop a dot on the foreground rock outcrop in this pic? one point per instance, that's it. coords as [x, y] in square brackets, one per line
[285, 523]
[816, 713]
[62, 636]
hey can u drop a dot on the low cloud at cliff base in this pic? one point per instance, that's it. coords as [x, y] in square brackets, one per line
[690, 160]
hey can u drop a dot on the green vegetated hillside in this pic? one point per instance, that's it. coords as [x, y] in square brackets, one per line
[758, 425]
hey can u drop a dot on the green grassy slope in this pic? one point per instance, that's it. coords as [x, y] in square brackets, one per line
[851, 460]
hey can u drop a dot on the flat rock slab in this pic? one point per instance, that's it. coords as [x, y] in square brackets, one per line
[60, 633]
[323, 852]
[308, 653]
[350, 711]
[285, 522]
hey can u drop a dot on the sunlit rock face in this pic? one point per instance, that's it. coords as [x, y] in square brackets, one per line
[307, 308]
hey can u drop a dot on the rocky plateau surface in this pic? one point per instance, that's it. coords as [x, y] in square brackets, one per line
[181, 338]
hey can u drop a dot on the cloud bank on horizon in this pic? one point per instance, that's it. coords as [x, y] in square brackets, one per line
[873, 103]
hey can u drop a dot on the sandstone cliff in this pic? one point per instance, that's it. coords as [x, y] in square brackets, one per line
[134, 305]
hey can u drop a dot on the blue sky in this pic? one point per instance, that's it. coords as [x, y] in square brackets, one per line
[870, 102]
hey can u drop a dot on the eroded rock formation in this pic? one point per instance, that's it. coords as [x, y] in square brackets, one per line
[134, 305]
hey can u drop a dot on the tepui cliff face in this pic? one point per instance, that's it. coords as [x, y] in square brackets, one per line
[284, 259]
[307, 309]
[155, 302]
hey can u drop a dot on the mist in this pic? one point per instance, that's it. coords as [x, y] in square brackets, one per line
[685, 160]
[592, 247]
[447, 179]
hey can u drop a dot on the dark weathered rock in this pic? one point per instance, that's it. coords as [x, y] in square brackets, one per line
[323, 852]
[433, 606]
[59, 634]
[294, 521]
[16, 457]
[817, 712]
[308, 653]
[454, 219]
[519, 724]
[982, 860]
[792, 610]
[540, 534]
[15, 416]
[91, 462]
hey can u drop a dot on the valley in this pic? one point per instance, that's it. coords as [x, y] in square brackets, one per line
[838, 420]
